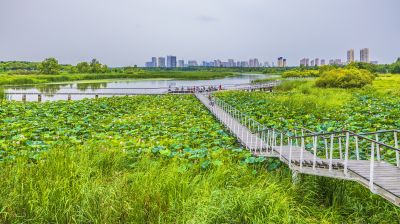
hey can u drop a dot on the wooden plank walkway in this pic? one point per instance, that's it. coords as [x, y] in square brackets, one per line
[386, 177]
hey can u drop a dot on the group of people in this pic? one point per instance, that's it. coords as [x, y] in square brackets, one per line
[198, 89]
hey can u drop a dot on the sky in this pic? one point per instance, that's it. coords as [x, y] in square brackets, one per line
[129, 32]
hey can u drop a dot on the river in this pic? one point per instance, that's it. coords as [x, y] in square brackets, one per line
[88, 89]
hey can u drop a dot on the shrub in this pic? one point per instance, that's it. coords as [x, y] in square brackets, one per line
[345, 78]
[298, 73]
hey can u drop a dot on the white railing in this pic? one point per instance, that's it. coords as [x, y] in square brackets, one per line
[337, 155]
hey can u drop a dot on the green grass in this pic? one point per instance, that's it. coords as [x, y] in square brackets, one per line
[103, 184]
[6, 79]
[148, 159]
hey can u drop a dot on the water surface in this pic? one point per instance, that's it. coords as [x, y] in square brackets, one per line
[88, 89]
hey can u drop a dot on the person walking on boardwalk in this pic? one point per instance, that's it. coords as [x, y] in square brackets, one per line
[211, 100]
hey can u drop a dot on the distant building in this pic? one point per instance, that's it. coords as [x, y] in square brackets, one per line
[316, 62]
[374, 62]
[303, 62]
[154, 61]
[312, 63]
[192, 63]
[335, 62]
[217, 63]
[161, 62]
[231, 63]
[350, 56]
[364, 55]
[149, 64]
[253, 63]
[284, 63]
[171, 61]
[323, 62]
[280, 62]
[181, 63]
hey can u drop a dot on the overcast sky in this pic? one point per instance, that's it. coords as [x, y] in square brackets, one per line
[128, 32]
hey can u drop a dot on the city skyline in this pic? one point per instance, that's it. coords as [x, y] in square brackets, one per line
[133, 31]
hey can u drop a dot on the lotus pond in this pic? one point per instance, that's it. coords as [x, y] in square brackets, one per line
[148, 159]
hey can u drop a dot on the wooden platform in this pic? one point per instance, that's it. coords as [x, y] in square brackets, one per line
[386, 179]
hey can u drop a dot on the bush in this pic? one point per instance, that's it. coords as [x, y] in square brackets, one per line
[298, 73]
[345, 78]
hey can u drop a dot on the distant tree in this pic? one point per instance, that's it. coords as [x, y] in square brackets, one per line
[104, 69]
[95, 66]
[49, 66]
[362, 65]
[395, 67]
[83, 67]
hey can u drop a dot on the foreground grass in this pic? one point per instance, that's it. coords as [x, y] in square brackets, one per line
[150, 159]
[6, 79]
[92, 184]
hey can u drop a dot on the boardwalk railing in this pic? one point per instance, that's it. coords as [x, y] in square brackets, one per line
[371, 158]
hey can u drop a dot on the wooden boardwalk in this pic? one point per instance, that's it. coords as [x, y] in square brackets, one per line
[379, 176]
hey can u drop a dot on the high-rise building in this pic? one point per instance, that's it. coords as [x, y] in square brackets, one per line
[171, 61]
[280, 62]
[364, 55]
[154, 61]
[350, 56]
[192, 63]
[161, 62]
[312, 63]
[335, 62]
[181, 63]
[303, 62]
[317, 62]
[254, 63]
[231, 63]
[323, 62]
[149, 64]
[284, 63]
[217, 63]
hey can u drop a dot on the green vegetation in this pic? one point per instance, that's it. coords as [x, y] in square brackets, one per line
[345, 78]
[154, 159]
[297, 104]
[300, 73]
[49, 66]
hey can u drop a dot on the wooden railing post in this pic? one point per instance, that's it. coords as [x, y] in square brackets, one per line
[371, 168]
[331, 154]
[315, 139]
[281, 147]
[346, 153]
[357, 150]
[396, 145]
[39, 97]
[301, 153]
[378, 151]
[290, 152]
[326, 148]
[340, 149]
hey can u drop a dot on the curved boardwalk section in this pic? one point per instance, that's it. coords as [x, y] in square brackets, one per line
[339, 160]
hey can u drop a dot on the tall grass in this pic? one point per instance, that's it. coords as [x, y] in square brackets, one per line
[93, 184]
